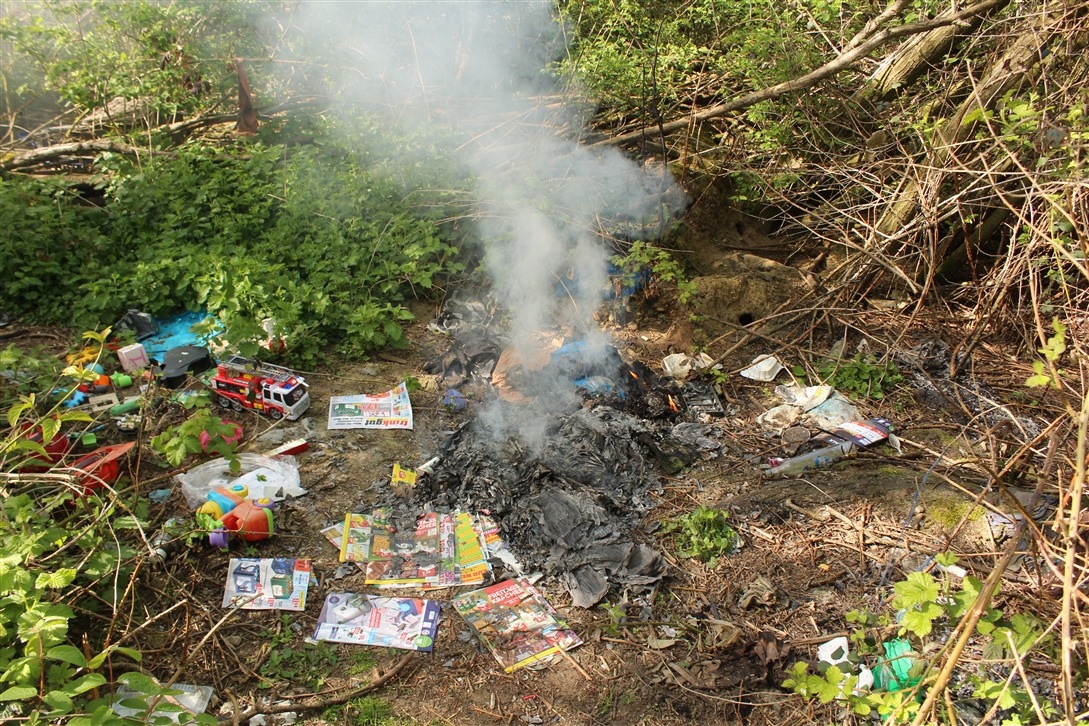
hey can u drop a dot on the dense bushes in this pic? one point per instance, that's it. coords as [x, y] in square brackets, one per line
[316, 237]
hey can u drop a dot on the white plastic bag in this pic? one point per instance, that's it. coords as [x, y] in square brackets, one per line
[276, 478]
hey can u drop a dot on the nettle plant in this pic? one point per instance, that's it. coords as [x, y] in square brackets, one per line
[66, 559]
[897, 646]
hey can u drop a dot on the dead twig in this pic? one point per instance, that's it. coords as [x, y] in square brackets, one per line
[343, 697]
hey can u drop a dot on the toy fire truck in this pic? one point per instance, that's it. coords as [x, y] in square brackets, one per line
[272, 390]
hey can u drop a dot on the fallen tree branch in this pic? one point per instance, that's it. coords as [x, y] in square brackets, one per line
[314, 705]
[75, 148]
[854, 51]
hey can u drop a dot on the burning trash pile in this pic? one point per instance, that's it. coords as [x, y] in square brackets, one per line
[565, 455]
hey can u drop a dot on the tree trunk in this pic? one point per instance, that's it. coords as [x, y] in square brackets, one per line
[1018, 64]
[907, 63]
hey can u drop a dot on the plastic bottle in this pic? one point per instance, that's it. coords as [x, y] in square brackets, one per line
[815, 459]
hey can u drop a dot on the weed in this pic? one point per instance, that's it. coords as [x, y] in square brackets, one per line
[923, 603]
[308, 665]
[618, 615]
[863, 376]
[703, 534]
[645, 263]
[365, 711]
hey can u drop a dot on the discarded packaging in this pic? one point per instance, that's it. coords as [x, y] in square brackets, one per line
[893, 672]
[764, 368]
[678, 365]
[275, 479]
[844, 441]
[816, 459]
[454, 401]
[835, 411]
[836, 652]
[193, 699]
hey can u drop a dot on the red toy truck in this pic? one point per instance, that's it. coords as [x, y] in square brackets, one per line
[272, 390]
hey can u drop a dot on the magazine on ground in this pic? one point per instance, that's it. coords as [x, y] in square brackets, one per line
[450, 549]
[515, 622]
[408, 557]
[355, 538]
[270, 583]
[395, 622]
[389, 410]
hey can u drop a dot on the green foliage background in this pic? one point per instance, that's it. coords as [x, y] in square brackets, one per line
[319, 237]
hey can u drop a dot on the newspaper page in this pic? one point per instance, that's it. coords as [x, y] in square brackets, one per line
[389, 410]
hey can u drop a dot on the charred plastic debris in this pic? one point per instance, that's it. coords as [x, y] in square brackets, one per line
[565, 453]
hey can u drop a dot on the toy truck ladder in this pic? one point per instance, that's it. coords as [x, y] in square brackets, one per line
[264, 370]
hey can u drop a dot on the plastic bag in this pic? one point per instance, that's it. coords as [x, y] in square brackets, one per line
[276, 478]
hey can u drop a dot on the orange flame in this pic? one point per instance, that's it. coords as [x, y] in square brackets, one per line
[673, 405]
[634, 375]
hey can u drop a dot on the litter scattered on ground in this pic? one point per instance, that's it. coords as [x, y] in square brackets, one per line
[837, 652]
[838, 444]
[190, 698]
[276, 583]
[391, 622]
[438, 550]
[389, 410]
[264, 477]
[764, 368]
[516, 623]
[679, 366]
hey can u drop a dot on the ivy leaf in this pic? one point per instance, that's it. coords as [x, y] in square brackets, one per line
[1039, 379]
[921, 621]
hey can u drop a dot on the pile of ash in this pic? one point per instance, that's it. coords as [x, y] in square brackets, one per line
[567, 488]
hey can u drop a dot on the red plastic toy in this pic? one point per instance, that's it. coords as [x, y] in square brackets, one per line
[240, 383]
[102, 466]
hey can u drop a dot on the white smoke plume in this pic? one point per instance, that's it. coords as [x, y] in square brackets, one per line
[474, 72]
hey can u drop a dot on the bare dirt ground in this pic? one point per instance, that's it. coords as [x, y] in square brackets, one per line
[710, 649]
[712, 643]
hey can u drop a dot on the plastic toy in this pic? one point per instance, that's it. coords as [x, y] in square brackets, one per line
[101, 466]
[251, 521]
[241, 383]
[223, 499]
[55, 450]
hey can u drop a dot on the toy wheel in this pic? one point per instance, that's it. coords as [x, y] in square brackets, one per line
[236, 405]
[276, 414]
[223, 401]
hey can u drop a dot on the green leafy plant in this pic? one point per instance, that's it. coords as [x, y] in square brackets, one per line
[175, 443]
[1046, 372]
[645, 265]
[309, 664]
[617, 614]
[703, 534]
[921, 604]
[864, 376]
